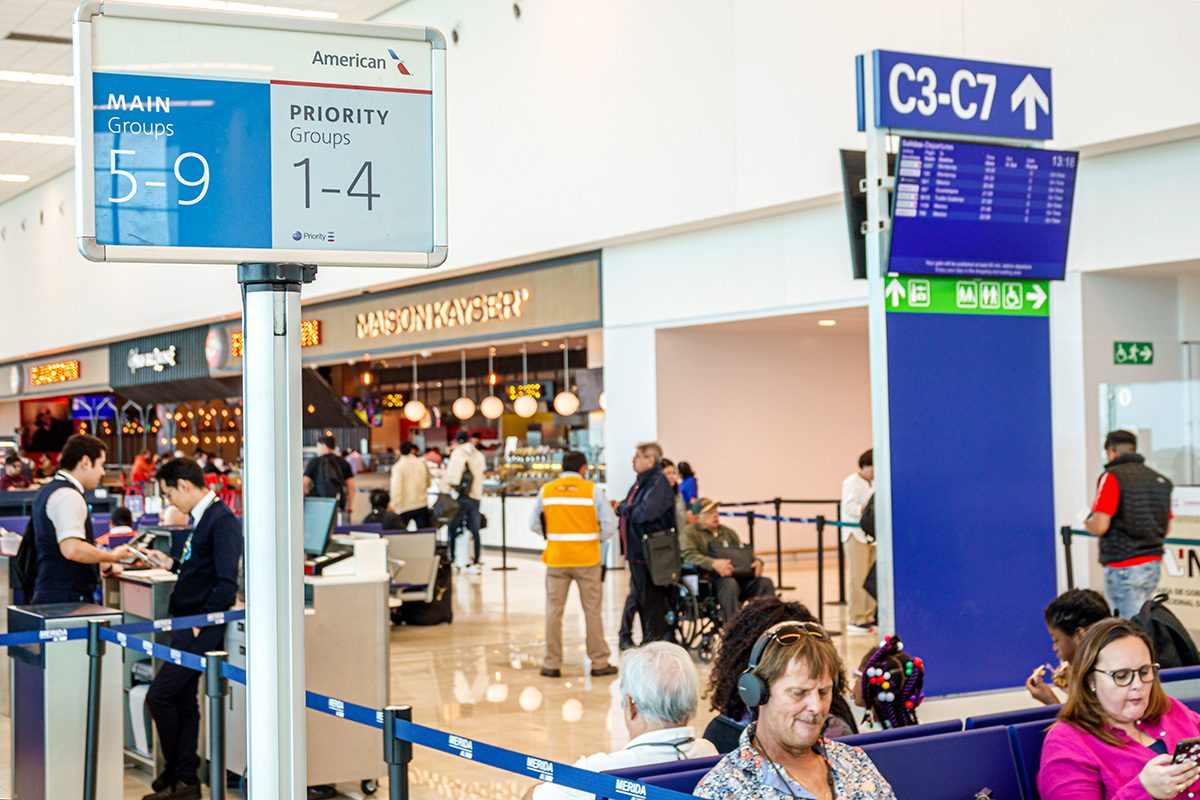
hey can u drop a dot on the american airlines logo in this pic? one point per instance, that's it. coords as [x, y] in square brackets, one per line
[359, 61]
[399, 64]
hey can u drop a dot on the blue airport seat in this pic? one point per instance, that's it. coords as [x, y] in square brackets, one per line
[1026, 740]
[963, 764]
[1193, 703]
[662, 768]
[368, 527]
[679, 781]
[1179, 674]
[1005, 718]
[14, 524]
[907, 732]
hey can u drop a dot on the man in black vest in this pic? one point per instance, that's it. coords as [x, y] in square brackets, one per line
[1131, 515]
[68, 561]
[208, 582]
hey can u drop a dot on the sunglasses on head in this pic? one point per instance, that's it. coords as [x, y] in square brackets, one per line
[796, 630]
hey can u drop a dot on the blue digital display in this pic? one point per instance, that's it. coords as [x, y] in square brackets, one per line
[981, 210]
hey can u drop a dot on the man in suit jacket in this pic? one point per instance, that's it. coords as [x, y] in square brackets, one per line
[208, 582]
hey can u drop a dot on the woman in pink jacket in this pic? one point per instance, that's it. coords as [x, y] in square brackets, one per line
[1117, 732]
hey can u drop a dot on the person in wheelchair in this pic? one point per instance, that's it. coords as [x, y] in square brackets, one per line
[719, 554]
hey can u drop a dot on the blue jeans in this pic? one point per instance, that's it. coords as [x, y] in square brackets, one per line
[467, 518]
[1127, 588]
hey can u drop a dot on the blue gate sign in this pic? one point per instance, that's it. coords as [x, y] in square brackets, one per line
[954, 95]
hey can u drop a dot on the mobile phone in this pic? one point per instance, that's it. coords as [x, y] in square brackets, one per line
[1187, 750]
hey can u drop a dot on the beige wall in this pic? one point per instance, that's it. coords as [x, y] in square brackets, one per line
[818, 378]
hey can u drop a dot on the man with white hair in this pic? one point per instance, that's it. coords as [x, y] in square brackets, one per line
[659, 694]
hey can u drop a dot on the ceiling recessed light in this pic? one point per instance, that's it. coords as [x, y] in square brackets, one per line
[827, 323]
[41, 78]
[37, 138]
[4, 178]
[250, 8]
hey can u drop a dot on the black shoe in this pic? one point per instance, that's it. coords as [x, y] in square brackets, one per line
[551, 673]
[163, 780]
[625, 644]
[177, 791]
[321, 792]
[607, 669]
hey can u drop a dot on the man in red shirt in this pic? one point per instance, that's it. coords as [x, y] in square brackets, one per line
[1131, 515]
[13, 478]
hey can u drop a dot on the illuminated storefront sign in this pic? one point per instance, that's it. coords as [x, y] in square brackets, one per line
[449, 313]
[56, 372]
[310, 336]
[535, 390]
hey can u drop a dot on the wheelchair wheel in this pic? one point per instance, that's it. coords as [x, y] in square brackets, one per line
[684, 616]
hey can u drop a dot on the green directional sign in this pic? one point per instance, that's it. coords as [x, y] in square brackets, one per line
[1133, 352]
[967, 296]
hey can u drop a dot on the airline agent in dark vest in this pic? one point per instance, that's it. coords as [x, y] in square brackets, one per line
[208, 582]
[68, 561]
[1131, 515]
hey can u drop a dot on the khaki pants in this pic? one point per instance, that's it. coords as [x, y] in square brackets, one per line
[558, 584]
[860, 556]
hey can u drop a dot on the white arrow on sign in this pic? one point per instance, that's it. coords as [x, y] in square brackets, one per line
[1038, 295]
[1030, 92]
[895, 291]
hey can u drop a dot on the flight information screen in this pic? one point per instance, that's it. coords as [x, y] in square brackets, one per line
[981, 210]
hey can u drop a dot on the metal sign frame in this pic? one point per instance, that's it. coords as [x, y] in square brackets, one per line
[85, 212]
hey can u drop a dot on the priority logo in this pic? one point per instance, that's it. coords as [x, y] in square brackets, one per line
[329, 238]
[399, 64]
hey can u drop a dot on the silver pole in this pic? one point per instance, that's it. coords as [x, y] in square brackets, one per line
[877, 242]
[274, 529]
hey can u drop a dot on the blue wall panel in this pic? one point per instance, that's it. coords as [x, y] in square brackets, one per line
[972, 495]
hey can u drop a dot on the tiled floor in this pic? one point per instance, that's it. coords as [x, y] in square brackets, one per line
[479, 677]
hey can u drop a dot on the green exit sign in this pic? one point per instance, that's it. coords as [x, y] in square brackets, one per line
[1133, 352]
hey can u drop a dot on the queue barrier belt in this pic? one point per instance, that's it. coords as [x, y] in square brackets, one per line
[831, 523]
[1168, 540]
[529, 766]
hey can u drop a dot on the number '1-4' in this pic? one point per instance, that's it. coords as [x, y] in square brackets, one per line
[351, 191]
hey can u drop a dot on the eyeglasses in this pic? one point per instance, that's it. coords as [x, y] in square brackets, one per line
[796, 630]
[1124, 677]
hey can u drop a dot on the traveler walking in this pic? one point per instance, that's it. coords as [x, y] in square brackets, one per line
[857, 489]
[649, 508]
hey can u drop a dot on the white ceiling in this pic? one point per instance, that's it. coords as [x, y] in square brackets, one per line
[48, 109]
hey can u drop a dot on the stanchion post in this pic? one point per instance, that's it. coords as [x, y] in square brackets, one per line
[95, 652]
[504, 567]
[778, 503]
[1065, 532]
[750, 528]
[397, 753]
[216, 686]
[841, 545]
[821, 569]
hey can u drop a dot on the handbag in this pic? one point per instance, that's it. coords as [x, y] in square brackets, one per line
[663, 558]
[740, 555]
[444, 509]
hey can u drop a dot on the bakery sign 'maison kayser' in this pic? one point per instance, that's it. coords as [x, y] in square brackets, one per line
[455, 312]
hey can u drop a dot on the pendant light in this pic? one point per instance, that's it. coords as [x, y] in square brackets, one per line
[525, 406]
[566, 402]
[464, 407]
[491, 406]
[604, 401]
[414, 410]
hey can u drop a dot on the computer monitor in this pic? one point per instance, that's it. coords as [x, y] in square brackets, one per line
[319, 514]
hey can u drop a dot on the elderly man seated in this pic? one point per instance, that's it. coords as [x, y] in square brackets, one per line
[712, 547]
[659, 694]
[788, 687]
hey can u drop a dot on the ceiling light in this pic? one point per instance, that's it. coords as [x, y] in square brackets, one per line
[249, 8]
[491, 406]
[42, 78]
[5, 178]
[37, 138]
[827, 323]
[464, 407]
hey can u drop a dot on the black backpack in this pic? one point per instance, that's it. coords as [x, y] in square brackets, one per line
[25, 567]
[1173, 645]
[867, 521]
[329, 482]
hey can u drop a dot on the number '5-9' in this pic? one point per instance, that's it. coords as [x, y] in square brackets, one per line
[117, 173]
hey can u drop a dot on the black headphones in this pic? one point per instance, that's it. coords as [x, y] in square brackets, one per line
[752, 689]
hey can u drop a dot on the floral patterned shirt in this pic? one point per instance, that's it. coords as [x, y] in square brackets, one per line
[745, 775]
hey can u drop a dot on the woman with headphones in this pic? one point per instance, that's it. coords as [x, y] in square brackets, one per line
[789, 685]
